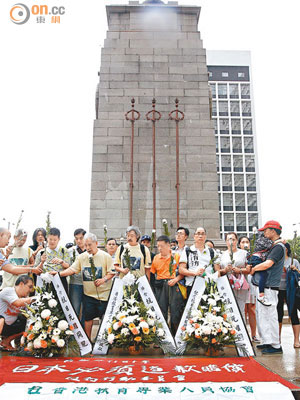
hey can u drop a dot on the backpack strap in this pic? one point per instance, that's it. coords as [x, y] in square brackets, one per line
[212, 253]
[143, 252]
[121, 250]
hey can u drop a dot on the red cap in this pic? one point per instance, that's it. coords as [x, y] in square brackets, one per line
[272, 225]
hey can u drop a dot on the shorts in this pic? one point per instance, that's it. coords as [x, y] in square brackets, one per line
[17, 327]
[93, 308]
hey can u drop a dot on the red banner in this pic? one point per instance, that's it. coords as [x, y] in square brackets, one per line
[130, 370]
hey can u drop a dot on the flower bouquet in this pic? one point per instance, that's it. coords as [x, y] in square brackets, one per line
[134, 327]
[47, 332]
[208, 326]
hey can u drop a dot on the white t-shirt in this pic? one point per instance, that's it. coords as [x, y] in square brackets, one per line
[197, 259]
[7, 310]
[239, 256]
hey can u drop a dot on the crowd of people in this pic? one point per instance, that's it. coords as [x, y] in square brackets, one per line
[262, 279]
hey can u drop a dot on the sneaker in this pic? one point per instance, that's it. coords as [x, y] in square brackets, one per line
[263, 346]
[272, 350]
[255, 339]
[263, 301]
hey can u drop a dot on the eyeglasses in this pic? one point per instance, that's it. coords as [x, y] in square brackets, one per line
[200, 233]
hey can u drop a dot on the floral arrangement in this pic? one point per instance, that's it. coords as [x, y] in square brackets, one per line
[208, 326]
[134, 327]
[165, 227]
[47, 332]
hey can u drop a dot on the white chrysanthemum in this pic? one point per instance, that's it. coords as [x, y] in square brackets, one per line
[110, 338]
[62, 325]
[30, 345]
[144, 324]
[56, 331]
[164, 221]
[60, 343]
[52, 303]
[43, 336]
[47, 277]
[151, 313]
[55, 338]
[45, 313]
[160, 332]
[37, 343]
[125, 331]
[129, 279]
[206, 330]
[69, 332]
[116, 326]
[151, 321]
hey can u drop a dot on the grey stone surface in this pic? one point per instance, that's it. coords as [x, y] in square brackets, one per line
[143, 58]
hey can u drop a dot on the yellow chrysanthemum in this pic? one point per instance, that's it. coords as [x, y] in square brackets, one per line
[146, 331]
[131, 326]
[138, 339]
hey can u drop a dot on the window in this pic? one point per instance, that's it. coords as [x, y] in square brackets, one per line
[227, 202]
[224, 126]
[241, 224]
[227, 183]
[226, 163]
[220, 204]
[246, 108]
[216, 126]
[253, 221]
[234, 108]
[239, 202]
[223, 108]
[224, 74]
[239, 182]
[234, 91]
[213, 89]
[235, 127]
[222, 91]
[214, 108]
[217, 144]
[247, 126]
[218, 163]
[238, 164]
[210, 74]
[248, 144]
[237, 145]
[251, 183]
[228, 222]
[252, 202]
[225, 145]
[250, 163]
[241, 74]
[245, 91]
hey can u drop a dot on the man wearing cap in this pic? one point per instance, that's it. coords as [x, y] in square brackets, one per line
[267, 317]
[146, 241]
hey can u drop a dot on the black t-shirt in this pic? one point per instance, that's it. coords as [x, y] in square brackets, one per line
[276, 253]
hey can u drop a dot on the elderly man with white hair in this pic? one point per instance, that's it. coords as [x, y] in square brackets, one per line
[5, 264]
[139, 255]
[95, 266]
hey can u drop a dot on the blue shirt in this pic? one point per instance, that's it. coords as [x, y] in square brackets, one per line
[3, 258]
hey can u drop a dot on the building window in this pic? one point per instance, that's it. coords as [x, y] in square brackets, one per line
[250, 163]
[226, 182]
[216, 126]
[246, 108]
[241, 224]
[210, 74]
[223, 108]
[214, 108]
[234, 108]
[228, 222]
[217, 144]
[224, 126]
[247, 126]
[238, 164]
[251, 183]
[234, 91]
[227, 202]
[225, 145]
[220, 204]
[226, 163]
[252, 202]
[245, 91]
[213, 89]
[235, 127]
[218, 163]
[248, 145]
[239, 202]
[241, 74]
[237, 145]
[239, 183]
[225, 74]
[222, 91]
[253, 221]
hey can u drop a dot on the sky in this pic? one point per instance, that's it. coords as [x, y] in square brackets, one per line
[48, 78]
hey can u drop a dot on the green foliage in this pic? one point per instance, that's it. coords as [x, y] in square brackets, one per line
[295, 246]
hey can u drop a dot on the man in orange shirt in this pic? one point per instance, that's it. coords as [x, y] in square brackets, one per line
[166, 289]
